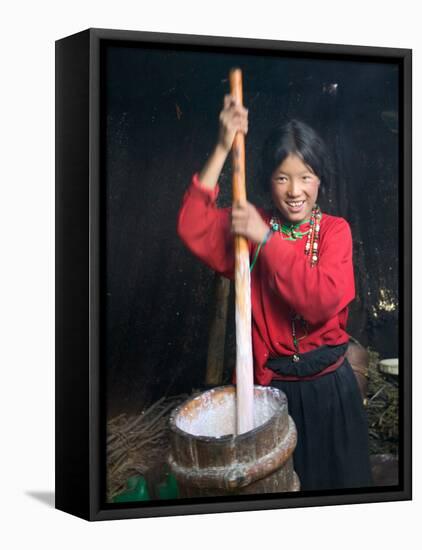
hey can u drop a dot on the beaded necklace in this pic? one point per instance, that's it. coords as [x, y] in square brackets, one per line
[292, 233]
[290, 230]
[295, 317]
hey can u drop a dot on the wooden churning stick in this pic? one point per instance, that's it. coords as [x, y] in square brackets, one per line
[244, 361]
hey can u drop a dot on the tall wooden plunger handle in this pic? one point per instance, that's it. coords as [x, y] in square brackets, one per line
[244, 359]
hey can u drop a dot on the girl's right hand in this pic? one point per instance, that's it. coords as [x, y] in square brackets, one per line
[233, 118]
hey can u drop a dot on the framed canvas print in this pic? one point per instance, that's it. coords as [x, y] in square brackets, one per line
[233, 274]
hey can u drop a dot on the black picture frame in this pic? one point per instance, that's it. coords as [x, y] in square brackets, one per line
[80, 426]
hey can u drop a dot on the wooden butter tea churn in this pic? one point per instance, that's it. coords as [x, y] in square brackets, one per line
[208, 459]
[235, 439]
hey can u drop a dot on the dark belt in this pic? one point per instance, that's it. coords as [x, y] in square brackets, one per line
[309, 364]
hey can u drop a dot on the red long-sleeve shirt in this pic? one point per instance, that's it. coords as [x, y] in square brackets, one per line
[282, 279]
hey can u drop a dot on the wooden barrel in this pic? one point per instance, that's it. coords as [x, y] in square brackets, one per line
[358, 358]
[208, 459]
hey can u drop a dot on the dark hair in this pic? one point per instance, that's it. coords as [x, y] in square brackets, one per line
[294, 137]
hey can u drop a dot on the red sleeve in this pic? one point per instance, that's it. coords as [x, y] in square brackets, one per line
[316, 293]
[205, 229]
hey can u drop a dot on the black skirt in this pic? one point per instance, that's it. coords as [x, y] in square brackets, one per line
[332, 450]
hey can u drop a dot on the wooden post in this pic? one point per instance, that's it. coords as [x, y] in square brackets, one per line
[217, 334]
[244, 360]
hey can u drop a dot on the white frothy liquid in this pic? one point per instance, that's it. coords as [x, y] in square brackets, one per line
[215, 414]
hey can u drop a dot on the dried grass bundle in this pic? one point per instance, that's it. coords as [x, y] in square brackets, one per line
[137, 444]
[382, 409]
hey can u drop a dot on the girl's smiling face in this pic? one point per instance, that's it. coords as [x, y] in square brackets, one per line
[294, 189]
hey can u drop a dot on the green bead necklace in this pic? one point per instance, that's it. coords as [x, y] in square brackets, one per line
[290, 230]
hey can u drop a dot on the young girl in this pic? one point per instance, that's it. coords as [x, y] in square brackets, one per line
[301, 284]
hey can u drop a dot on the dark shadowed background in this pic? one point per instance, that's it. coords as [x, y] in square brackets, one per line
[160, 117]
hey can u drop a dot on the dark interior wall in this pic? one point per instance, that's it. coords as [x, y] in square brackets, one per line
[161, 118]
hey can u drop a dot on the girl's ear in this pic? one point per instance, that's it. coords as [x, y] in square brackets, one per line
[321, 189]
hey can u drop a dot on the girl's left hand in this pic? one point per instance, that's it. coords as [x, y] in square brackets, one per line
[247, 221]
